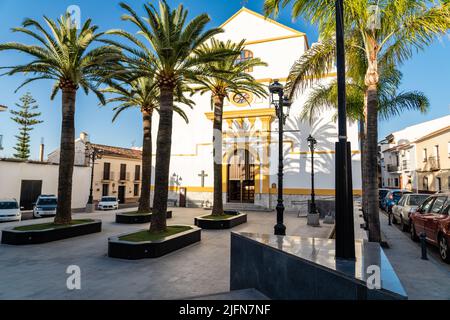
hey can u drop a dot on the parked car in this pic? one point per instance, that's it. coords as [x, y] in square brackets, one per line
[381, 195]
[392, 198]
[45, 206]
[407, 204]
[433, 219]
[108, 203]
[10, 210]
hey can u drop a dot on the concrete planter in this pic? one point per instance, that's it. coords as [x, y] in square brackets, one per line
[228, 223]
[136, 218]
[151, 249]
[17, 237]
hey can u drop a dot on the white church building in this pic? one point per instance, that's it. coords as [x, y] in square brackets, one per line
[250, 131]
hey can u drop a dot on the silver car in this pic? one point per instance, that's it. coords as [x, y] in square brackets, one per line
[407, 204]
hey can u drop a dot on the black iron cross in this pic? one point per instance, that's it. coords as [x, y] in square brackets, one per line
[203, 175]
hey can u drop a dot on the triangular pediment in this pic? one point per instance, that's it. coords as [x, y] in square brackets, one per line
[253, 26]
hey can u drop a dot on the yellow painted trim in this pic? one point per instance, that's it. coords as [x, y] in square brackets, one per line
[321, 152]
[286, 191]
[269, 80]
[274, 39]
[239, 114]
[243, 9]
[304, 192]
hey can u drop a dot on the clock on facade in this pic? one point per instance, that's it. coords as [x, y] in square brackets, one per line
[242, 99]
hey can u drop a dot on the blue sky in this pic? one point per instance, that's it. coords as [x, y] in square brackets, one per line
[428, 71]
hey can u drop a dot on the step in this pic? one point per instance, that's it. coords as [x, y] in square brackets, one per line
[245, 294]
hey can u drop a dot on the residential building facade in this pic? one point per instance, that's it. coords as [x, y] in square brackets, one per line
[117, 172]
[409, 158]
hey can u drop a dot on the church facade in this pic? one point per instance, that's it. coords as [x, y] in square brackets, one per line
[250, 131]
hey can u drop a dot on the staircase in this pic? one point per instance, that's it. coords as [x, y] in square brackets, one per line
[245, 207]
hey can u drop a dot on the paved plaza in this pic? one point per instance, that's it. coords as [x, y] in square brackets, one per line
[39, 271]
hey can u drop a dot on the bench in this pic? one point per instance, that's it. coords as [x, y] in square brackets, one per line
[194, 204]
[172, 202]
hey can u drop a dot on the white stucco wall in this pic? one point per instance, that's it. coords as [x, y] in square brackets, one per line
[12, 173]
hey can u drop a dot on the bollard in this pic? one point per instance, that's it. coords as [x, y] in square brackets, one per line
[423, 244]
[389, 217]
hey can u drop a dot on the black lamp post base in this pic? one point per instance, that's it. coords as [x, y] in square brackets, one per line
[280, 230]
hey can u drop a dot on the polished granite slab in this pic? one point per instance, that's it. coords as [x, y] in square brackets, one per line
[296, 255]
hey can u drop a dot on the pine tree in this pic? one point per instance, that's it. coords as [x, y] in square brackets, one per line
[26, 118]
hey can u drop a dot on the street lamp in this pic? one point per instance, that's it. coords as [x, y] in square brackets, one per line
[93, 154]
[313, 216]
[345, 236]
[282, 106]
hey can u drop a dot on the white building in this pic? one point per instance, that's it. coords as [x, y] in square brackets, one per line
[26, 180]
[399, 155]
[250, 131]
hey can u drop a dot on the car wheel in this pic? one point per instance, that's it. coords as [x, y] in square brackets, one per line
[414, 236]
[403, 225]
[444, 249]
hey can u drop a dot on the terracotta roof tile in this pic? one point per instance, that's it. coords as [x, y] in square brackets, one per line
[119, 152]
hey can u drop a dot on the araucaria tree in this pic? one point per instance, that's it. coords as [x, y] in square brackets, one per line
[175, 62]
[383, 33]
[63, 54]
[26, 118]
[226, 77]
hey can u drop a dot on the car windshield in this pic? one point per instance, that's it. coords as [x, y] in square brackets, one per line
[383, 193]
[5, 205]
[47, 202]
[109, 199]
[417, 200]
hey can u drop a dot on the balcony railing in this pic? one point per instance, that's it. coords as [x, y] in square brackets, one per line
[124, 176]
[108, 176]
[433, 163]
[393, 168]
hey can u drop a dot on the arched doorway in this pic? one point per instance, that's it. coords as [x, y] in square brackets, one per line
[241, 177]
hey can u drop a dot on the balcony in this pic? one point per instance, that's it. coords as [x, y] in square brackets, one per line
[107, 176]
[433, 163]
[124, 176]
[393, 168]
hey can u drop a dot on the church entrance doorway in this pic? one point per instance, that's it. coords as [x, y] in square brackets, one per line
[241, 177]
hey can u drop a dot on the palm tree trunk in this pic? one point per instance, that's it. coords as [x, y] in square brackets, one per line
[163, 148]
[217, 158]
[67, 157]
[144, 200]
[362, 145]
[372, 164]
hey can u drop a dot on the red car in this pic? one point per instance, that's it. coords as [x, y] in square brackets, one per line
[433, 218]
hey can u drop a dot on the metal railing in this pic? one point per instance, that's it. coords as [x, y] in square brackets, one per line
[393, 168]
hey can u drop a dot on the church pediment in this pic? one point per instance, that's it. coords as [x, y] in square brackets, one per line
[254, 27]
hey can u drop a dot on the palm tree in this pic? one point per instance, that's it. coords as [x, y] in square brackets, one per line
[226, 77]
[143, 94]
[391, 103]
[63, 55]
[174, 60]
[387, 35]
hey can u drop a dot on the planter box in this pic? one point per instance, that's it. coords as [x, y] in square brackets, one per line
[151, 249]
[17, 237]
[227, 223]
[136, 218]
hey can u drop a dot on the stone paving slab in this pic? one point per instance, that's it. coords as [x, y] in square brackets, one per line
[422, 279]
[39, 271]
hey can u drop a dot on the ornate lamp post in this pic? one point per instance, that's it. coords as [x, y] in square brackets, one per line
[313, 215]
[282, 106]
[345, 237]
[92, 154]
